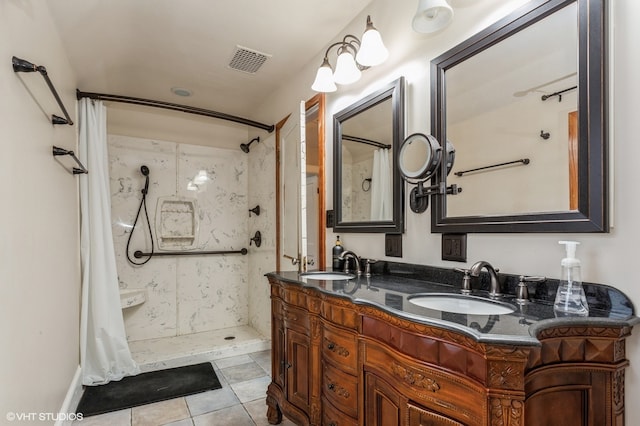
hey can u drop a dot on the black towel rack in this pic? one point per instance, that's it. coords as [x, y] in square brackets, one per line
[81, 169]
[138, 253]
[524, 161]
[22, 65]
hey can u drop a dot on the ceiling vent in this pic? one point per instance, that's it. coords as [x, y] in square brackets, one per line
[247, 60]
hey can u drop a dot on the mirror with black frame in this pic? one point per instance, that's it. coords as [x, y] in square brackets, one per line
[524, 104]
[367, 188]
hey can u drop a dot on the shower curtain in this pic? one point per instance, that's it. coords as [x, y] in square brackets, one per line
[104, 351]
[381, 186]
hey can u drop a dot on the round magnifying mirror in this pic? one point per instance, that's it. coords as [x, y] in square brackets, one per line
[451, 157]
[419, 156]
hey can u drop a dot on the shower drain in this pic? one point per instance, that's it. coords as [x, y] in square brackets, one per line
[229, 337]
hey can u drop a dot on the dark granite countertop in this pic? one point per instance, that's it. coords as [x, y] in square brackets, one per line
[392, 284]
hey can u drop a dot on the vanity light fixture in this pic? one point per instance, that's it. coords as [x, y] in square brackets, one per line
[353, 57]
[432, 15]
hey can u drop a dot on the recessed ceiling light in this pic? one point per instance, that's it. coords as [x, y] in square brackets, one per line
[180, 91]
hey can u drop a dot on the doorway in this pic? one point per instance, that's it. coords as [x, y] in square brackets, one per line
[308, 233]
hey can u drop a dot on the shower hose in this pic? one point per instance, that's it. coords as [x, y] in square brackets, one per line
[143, 203]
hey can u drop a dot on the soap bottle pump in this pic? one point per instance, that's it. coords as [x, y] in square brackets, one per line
[337, 251]
[570, 298]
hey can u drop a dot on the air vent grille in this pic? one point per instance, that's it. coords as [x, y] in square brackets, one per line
[247, 60]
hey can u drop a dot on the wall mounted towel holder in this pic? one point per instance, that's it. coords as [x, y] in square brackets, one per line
[22, 65]
[81, 169]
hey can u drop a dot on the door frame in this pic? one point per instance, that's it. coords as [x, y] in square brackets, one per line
[318, 99]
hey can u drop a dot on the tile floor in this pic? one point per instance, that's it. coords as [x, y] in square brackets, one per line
[240, 401]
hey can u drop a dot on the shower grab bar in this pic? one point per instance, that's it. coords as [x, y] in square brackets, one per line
[81, 169]
[365, 141]
[138, 253]
[21, 65]
[524, 162]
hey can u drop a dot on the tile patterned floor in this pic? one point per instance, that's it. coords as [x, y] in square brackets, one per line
[241, 401]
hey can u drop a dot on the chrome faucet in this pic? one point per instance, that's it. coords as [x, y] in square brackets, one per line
[345, 255]
[494, 283]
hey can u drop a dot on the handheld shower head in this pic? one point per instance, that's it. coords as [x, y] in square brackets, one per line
[145, 172]
[245, 146]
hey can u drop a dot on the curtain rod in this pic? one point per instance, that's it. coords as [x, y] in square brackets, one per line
[175, 107]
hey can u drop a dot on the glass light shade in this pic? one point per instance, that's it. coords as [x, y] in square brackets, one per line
[432, 15]
[372, 50]
[324, 79]
[347, 71]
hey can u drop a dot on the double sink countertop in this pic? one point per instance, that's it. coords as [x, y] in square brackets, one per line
[392, 285]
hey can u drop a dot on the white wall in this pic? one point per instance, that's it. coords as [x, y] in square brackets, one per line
[39, 250]
[607, 258]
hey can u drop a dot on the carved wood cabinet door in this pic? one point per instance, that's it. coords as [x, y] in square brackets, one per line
[298, 363]
[383, 404]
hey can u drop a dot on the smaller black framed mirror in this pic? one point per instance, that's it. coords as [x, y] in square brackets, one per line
[367, 187]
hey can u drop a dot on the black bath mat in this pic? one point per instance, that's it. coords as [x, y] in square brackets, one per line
[148, 387]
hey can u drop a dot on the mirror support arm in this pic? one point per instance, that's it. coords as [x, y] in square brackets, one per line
[419, 196]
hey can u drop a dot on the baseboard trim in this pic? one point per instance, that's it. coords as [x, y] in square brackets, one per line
[71, 400]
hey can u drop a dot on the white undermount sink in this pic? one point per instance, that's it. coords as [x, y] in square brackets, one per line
[461, 304]
[327, 276]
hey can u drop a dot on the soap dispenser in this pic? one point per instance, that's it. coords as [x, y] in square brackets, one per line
[337, 251]
[570, 298]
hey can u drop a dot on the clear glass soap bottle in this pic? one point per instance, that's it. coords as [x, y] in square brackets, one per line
[570, 298]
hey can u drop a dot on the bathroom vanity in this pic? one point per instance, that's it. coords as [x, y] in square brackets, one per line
[359, 352]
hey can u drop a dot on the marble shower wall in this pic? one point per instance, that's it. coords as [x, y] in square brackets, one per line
[184, 294]
[262, 163]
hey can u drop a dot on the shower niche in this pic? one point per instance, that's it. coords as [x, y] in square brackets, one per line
[176, 223]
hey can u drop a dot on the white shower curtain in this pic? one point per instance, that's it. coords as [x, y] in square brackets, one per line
[381, 186]
[104, 351]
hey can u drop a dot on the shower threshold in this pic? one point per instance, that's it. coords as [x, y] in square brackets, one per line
[176, 351]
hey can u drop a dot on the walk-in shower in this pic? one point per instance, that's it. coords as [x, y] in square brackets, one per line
[198, 286]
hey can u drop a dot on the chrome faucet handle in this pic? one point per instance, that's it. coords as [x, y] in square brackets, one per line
[294, 260]
[522, 292]
[367, 267]
[466, 280]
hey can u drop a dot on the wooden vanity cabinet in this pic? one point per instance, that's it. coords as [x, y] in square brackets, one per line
[293, 359]
[340, 364]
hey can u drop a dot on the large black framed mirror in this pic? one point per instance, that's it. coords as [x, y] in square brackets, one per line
[524, 103]
[367, 187]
